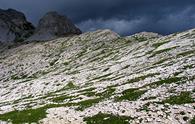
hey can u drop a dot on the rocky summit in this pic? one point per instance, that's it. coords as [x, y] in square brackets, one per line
[53, 25]
[14, 26]
[100, 78]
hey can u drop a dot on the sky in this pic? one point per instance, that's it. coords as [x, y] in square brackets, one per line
[125, 17]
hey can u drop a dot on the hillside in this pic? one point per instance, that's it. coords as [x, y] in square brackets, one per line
[100, 78]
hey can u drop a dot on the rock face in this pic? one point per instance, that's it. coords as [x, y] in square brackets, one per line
[14, 26]
[53, 25]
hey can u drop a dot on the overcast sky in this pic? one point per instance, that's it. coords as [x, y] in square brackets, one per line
[123, 16]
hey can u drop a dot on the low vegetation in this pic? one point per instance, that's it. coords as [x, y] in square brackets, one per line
[60, 99]
[141, 78]
[25, 116]
[160, 43]
[99, 97]
[140, 39]
[182, 98]
[162, 51]
[192, 121]
[166, 81]
[131, 94]
[107, 119]
[87, 103]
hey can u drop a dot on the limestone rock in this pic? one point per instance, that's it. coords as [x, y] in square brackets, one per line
[143, 36]
[14, 26]
[52, 26]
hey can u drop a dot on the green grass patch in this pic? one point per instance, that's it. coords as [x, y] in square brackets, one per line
[145, 107]
[82, 53]
[188, 66]
[162, 51]
[73, 72]
[25, 116]
[34, 115]
[106, 69]
[140, 39]
[99, 97]
[166, 81]
[29, 115]
[150, 98]
[71, 85]
[18, 77]
[186, 53]
[125, 67]
[192, 121]
[161, 61]
[159, 43]
[102, 55]
[89, 93]
[86, 90]
[107, 93]
[103, 76]
[66, 63]
[40, 73]
[107, 119]
[185, 35]
[53, 62]
[25, 98]
[87, 103]
[131, 94]
[137, 79]
[61, 98]
[182, 98]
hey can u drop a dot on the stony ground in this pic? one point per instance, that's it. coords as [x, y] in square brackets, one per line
[100, 78]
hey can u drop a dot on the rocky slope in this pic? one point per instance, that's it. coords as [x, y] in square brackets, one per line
[100, 78]
[52, 26]
[14, 26]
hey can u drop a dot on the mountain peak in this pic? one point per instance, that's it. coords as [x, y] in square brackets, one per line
[14, 26]
[53, 25]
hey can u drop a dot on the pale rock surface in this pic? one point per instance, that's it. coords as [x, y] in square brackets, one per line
[77, 77]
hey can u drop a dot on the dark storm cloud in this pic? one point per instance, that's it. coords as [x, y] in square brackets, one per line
[123, 16]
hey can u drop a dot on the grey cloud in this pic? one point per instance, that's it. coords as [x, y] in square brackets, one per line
[121, 26]
[122, 16]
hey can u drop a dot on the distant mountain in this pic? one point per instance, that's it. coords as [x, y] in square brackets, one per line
[52, 26]
[14, 26]
[99, 78]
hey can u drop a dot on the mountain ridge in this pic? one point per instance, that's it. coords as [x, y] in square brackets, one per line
[15, 28]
